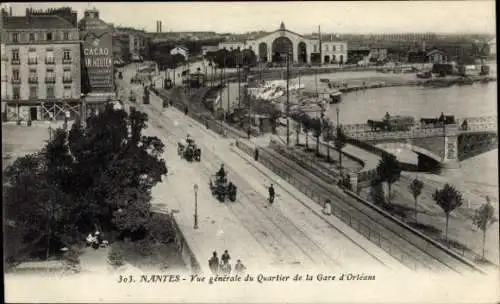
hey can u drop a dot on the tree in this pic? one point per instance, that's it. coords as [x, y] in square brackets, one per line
[297, 132]
[377, 193]
[389, 170]
[97, 177]
[340, 142]
[448, 199]
[317, 126]
[328, 136]
[306, 122]
[415, 188]
[484, 218]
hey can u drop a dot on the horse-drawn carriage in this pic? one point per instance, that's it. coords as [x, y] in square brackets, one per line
[222, 188]
[189, 150]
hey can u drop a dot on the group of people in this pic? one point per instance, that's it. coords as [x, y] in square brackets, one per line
[95, 240]
[223, 267]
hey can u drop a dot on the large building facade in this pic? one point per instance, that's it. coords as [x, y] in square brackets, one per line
[274, 46]
[98, 80]
[41, 65]
[130, 43]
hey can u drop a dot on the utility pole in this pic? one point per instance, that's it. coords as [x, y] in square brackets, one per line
[227, 81]
[316, 80]
[249, 100]
[320, 49]
[239, 85]
[287, 100]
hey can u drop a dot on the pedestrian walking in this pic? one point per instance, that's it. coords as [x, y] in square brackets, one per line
[327, 208]
[225, 257]
[225, 268]
[213, 263]
[271, 194]
[239, 268]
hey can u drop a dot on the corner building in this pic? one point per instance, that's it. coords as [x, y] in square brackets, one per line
[98, 82]
[41, 65]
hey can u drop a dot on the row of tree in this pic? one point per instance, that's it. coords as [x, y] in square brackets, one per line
[97, 176]
[232, 58]
[320, 128]
[448, 198]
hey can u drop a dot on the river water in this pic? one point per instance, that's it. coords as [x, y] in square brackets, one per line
[480, 173]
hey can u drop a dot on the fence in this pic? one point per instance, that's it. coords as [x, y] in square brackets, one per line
[363, 228]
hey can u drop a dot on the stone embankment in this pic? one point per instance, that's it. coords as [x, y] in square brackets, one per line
[371, 83]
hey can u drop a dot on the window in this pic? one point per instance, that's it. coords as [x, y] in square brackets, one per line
[33, 92]
[341, 47]
[50, 92]
[67, 56]
[15, 74]
[33, 75]
[49, 36]
[67, 75]
[32, 58]
[67, 92]
[66, 36]
[15, 56]
[16, 92]
[326, 47]
[315, 48]
[32, 37]
[49, 59]
[334, 48]
[15, 37]
[50, 76]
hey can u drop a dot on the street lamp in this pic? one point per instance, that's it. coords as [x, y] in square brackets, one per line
[338, 122]
[195, 188]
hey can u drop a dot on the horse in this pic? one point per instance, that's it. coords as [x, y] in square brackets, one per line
[376, 125]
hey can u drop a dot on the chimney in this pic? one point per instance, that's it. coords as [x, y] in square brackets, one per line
[10, 11]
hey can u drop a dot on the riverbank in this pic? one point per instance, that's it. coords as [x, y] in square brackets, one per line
[352, 85]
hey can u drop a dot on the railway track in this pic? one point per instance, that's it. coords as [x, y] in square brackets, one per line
[423, 257]
[285, 241]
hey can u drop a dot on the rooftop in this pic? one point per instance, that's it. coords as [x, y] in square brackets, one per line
[36, 22]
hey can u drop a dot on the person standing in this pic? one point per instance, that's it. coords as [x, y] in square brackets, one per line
[239, 268]
[271, 194]
[225, 268]
[327, 208]
[213, 263]
[225, 257]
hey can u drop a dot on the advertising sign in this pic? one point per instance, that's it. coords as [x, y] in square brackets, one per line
[98, 59]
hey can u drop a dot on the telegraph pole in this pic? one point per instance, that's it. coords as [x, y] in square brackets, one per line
[227, 81]
[239, 86]
[320, 49]
[220, 92]
[287, 99]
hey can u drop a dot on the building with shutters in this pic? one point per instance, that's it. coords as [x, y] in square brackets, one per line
[40, 65]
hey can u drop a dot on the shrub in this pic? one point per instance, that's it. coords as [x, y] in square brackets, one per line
[115, 257]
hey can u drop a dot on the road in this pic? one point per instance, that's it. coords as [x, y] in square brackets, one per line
[286, 233]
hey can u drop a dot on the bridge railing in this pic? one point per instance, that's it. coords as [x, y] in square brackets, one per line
[474, 124]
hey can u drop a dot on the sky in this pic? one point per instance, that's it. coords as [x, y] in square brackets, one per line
[474, 16]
